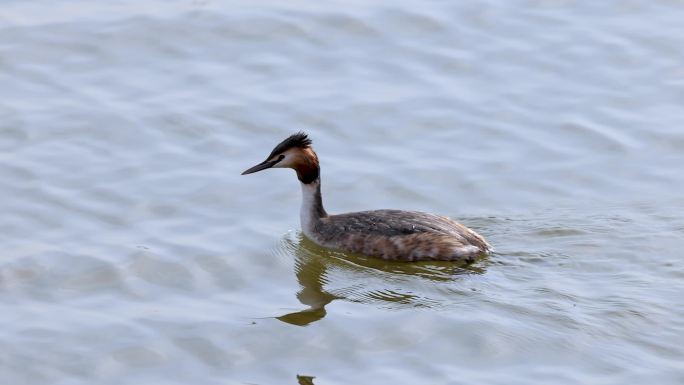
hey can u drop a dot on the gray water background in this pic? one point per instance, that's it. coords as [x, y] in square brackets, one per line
[133, 252]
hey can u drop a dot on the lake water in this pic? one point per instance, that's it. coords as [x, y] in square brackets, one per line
[133, 252]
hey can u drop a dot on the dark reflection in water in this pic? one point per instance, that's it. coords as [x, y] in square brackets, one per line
[311, 271]
[373, 280]
[305, 380]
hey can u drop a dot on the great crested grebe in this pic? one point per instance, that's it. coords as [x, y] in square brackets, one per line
[388, 234]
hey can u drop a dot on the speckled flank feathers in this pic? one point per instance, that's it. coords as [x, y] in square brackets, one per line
[399, 235]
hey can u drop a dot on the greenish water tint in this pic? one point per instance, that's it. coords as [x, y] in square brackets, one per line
[134, 252]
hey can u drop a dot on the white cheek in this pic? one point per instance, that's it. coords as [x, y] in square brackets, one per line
[286, 162]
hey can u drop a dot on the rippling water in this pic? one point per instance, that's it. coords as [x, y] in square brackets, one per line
[133, 252]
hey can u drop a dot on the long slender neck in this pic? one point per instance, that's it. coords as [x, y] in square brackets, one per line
[312, 209]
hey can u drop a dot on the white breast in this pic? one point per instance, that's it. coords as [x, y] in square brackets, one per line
[308, 213]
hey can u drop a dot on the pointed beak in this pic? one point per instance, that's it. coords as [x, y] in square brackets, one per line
[261, 166]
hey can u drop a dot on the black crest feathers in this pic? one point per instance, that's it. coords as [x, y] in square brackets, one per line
[299, 139]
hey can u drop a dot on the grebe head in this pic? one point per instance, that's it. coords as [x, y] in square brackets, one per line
[296, 153]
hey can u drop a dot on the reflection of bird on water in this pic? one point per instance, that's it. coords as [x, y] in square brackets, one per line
[372, 280]
[311, 275]
[305, 380]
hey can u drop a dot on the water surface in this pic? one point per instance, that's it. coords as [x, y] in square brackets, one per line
[134, 252]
